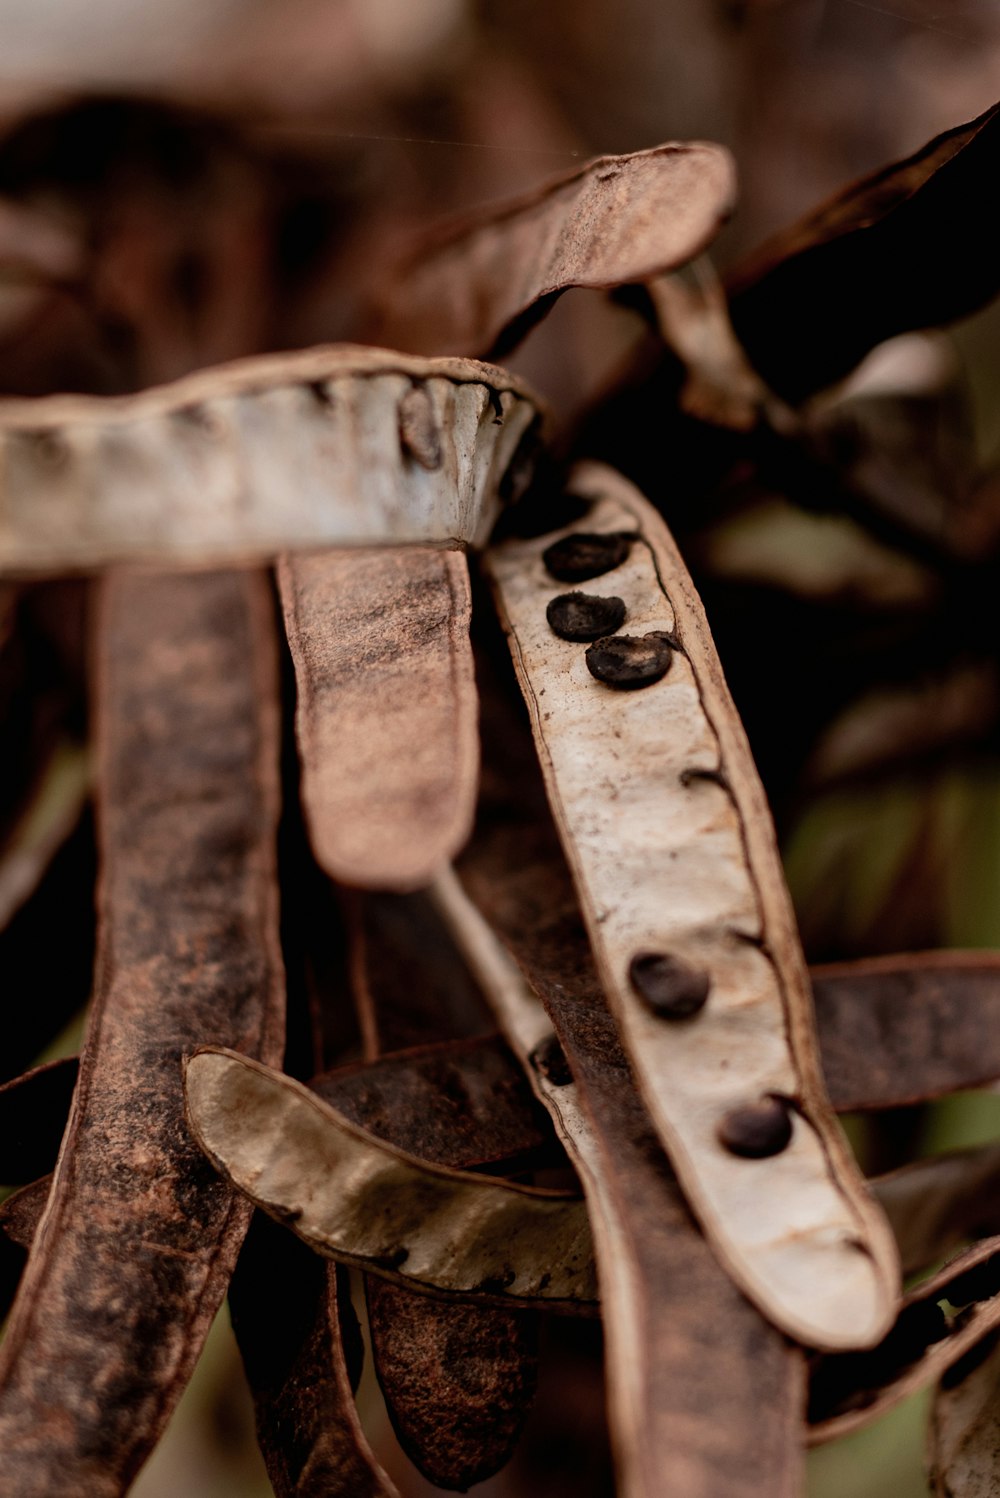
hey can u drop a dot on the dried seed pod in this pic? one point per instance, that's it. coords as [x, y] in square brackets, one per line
[258, 457]
[809, 303]
[481, 282]
[364, 1203]
[458, 1380]
[668, 835]
[287, 1321]
[188, 781]
[904, 1029]
[386, 709]
[935, 1205]
[679, 1336]
[850, 1390]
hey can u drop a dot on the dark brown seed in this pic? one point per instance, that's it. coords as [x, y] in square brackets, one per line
[670, 987]
[629, 661]
[549, 1059]
[575, 558]
[758, 1129]
[583, 616]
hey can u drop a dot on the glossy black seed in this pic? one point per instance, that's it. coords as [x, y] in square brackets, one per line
[670, 987]
[549, 1059]
[575, 558]
[584, 616]
[757, 1129]
[629, 661]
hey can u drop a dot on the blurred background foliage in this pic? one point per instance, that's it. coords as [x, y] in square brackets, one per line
[315, 135]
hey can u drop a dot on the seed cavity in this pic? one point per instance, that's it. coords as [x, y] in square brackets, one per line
[757, 1129]
[549, 1060]
[671, 988]
[584, 616]
[575, 558]
[627, 662]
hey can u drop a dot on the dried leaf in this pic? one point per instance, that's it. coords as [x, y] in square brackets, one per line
[258, 457]
[386, 709]
[679, 1337]
[287, 1320]
[909, 247]
[364, 1203]
[139, 1237]
[33, 1112]
[482, 282]
[935, 1205]
[850, 1390]
[904, 1029]
[964, 1436]
[668, 835]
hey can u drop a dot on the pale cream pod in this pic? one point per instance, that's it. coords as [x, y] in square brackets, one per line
[669, 838]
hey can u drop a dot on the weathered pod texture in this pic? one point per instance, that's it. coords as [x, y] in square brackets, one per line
[483, 281]
[139, 1237]
[940, 1323]
[904, 1029]
[386, 709]
[367, 1204]
[911, 246]
[332, 446]
[670, 842]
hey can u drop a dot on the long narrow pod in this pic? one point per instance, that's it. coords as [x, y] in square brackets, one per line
[139, 1236]
[670, 842]
[386, 710]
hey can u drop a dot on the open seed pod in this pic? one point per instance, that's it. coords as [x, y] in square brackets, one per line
[319, 448]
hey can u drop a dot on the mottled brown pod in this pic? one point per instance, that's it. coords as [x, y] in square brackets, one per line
[386, 709]
[670, 842]
[310, 449]
[139, 1236]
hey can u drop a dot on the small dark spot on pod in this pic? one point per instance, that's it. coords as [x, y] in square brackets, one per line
[584, 616]
[671, 988]
[629, 661]
[549, 1059]
[757, 1129]
[575, 558]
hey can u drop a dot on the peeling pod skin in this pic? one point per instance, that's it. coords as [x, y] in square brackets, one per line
[362, 1202]
[670, 842]
[325, 447]
[386, 709]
